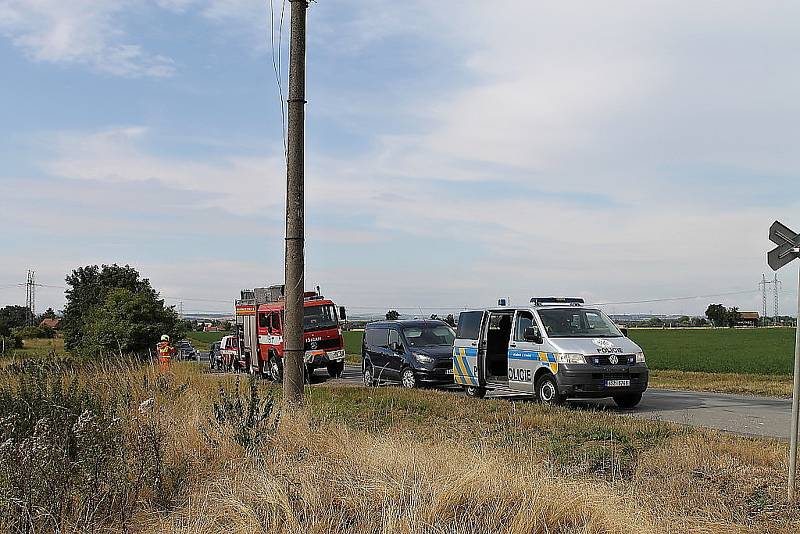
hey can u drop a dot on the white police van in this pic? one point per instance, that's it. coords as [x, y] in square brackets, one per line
[555, 348]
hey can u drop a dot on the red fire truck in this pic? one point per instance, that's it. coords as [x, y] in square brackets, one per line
[259, 322]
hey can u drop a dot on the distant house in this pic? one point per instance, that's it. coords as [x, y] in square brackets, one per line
[748, 318]
[209, 328]
[50, 323]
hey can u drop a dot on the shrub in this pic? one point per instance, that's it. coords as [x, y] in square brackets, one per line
[248, 418]
[61, 454]
[76, 456]
[34, 332]
[10, 343]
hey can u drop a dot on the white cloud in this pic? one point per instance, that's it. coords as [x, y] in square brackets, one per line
[119, 156]
[80, 32]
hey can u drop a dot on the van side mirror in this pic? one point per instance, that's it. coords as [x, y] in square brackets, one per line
[342, 313]
[533, 335]
[624, 331]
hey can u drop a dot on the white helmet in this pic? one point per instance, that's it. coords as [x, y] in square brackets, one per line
[165, 337]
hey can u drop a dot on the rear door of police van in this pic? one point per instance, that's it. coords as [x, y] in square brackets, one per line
[466, 363]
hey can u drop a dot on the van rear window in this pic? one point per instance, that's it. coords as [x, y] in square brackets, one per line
[377, 337]
[469, 324]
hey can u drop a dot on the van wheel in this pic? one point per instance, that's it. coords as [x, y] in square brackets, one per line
[628, 401]
[368, 375]
[475, 392]
[408, 379]
[335, 369]
[547, 390]
[276, 369]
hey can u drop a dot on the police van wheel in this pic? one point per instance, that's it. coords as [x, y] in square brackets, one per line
[547, 390]
[408, 379]
[276, 369]
[628, 401]
[475, 392]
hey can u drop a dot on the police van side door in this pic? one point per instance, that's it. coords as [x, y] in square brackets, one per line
[467, 347]
[523, 355]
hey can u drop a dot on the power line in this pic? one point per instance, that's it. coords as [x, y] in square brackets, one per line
[675, 299]
[30, 298]
[277, 66]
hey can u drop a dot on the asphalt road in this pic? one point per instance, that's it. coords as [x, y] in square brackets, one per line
[739, 414]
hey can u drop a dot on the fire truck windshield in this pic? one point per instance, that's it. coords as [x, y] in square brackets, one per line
[319, 317]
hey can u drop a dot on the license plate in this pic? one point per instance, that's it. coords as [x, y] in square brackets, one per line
[617, 383]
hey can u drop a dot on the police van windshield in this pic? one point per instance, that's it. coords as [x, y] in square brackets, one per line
[577, 322]
[429, 336]
[319, 317]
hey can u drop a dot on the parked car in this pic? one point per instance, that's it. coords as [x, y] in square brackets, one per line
[215, 356]
[186, 351]
[232, 357]
[408, 351]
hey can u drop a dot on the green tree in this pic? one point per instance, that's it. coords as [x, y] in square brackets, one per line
[450, 319]
[12, 317]
[392, 315]
[129, 322]
[732, 316]
[655, 322]
[33, 332]
[94, 291]
[49, 314]
[717, 314]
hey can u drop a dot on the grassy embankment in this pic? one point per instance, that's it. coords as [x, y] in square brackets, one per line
[177, 454]
[752, 361]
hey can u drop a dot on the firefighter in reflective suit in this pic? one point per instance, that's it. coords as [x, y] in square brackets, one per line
[165, 353]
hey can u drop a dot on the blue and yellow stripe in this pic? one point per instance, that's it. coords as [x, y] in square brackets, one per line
[462, 370]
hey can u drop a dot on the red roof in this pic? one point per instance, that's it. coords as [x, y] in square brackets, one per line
[50, 323]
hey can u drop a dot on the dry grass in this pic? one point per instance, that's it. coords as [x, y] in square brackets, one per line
[765, 385]
[387, 460]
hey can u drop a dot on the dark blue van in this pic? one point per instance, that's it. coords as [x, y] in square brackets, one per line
[408, 351]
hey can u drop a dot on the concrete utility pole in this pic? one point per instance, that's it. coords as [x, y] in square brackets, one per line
[294, 350]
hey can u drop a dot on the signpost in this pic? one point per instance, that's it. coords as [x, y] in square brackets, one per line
[787, 250]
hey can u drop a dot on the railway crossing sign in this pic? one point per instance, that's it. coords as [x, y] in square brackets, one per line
[787, 250]
[788, 246]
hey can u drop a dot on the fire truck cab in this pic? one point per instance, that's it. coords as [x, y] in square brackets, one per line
[260, 319]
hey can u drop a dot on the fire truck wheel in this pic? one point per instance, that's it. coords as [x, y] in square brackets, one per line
[335, 369]
[408, 378]
[276, 369]
[475, 392]
[547, 390]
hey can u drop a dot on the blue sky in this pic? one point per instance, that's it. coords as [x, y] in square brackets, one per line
[455, 152]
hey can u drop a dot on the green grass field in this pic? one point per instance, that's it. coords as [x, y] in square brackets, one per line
[203, 340]
[763, 351]
[352, 342]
